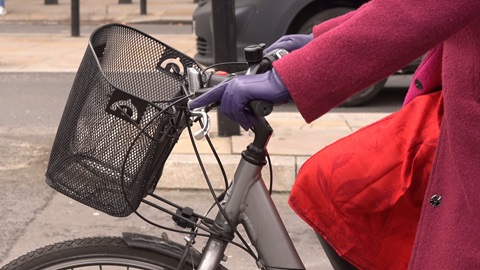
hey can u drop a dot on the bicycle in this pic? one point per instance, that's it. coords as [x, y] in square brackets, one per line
[111, 147]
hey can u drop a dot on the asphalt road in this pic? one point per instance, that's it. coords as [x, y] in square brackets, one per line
[24, 96]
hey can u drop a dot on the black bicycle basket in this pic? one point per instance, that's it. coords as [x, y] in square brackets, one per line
[121, 120]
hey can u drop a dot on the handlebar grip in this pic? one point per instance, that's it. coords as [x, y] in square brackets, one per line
[257, 107]
[202, 91]
[261, 107]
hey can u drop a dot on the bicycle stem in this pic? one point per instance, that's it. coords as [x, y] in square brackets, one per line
[257, 151]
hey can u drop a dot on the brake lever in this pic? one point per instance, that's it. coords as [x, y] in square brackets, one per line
[204, 122]
[194, 80]
[259, 108]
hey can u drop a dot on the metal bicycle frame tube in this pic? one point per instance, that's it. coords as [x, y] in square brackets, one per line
[248, 202]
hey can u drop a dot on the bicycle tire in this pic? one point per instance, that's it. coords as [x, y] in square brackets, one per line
[97, 251]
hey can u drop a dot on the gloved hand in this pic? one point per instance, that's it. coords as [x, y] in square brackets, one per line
[290, 42]
[236, 94]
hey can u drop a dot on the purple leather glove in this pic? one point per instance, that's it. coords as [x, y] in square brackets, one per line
[236, 94]
[290, 42]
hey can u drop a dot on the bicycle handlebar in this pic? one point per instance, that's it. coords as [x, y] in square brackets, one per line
[256, 65]
[261, 108]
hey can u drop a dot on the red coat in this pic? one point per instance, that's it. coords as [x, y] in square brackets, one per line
[353, 51]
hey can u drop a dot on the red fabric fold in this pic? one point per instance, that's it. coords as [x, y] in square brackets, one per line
[364, 193]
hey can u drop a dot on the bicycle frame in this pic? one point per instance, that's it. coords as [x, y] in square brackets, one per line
[248, 201]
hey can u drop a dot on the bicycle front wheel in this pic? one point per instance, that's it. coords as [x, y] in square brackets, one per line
[98, 253]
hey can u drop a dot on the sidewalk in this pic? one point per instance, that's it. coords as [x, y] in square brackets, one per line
[292, 142]
[59, 52]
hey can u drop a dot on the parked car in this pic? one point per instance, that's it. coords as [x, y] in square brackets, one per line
[264, 21]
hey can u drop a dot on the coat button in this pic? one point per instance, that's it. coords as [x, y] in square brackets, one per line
[418, 84]
[435, 200]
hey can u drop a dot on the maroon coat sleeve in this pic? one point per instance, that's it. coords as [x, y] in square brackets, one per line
[332, 23]
[366, 46]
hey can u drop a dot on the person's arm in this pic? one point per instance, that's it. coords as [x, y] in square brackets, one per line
[372, 43]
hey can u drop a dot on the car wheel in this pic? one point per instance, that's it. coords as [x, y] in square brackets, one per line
[364, 96]
[322, 16]
[306, 28]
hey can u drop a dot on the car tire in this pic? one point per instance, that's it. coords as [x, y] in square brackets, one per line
[324, 15]
[364, 96]
[327, 14]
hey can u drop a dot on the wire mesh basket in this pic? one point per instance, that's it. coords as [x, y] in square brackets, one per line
[121, 121]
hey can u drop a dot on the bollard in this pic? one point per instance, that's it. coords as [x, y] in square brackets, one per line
[124, 1]
[75, 17]
[225, 50]
[51, 2]
[143, 7]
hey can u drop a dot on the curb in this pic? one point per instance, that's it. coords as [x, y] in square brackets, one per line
[182, 171]
[162, 21]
